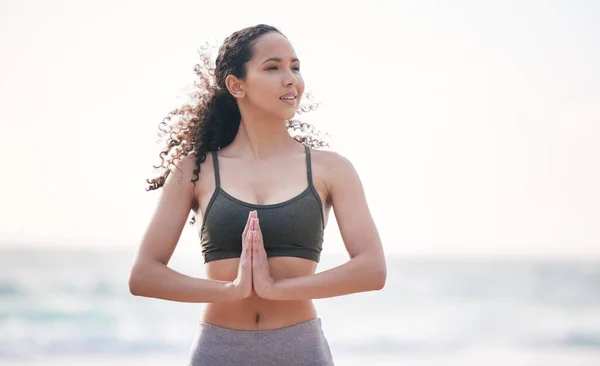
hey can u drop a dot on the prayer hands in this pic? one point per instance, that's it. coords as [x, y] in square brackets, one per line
[242, 285]
[261, 274]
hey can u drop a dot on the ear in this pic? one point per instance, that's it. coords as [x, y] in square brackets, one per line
[235, 86]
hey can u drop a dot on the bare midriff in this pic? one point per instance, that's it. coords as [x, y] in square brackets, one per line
[254, 312]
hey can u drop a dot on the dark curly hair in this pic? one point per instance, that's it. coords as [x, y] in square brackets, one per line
[211, 119]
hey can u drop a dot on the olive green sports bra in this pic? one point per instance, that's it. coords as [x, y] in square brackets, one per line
[293, 228]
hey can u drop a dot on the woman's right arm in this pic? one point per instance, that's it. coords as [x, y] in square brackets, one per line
[150, 276]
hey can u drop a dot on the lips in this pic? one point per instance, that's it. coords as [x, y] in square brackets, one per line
[289, 98]
[290, 95]
[289, 101]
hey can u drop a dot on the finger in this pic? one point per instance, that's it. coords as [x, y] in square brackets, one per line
[248, 236]
[248, 223]
[251, 247]
[258, 232]
[261, 247]
[248, 251]
[255, 245]
[249, 229]
[244, 239]
[253, 255]
[258, 229]
[244, 246]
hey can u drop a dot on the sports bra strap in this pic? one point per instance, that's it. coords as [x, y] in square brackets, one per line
[216, 165]
[308, 165]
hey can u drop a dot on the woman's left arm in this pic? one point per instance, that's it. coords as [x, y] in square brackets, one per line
[366, 269]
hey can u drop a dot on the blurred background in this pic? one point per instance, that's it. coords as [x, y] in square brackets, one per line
[473, 125]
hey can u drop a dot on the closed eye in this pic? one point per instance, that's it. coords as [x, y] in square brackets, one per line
[275, 68]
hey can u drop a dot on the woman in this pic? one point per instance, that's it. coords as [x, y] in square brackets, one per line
[232, 161]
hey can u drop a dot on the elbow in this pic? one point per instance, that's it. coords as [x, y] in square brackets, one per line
[378, 271]
[379, 274]
[133, 283]
[136, 280]
[379, 280]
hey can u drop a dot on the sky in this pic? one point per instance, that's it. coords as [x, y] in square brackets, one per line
[474, 125]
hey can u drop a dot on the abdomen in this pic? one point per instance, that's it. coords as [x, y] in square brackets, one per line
[254, 312]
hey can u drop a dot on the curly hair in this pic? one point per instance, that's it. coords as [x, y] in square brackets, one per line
[211, 119]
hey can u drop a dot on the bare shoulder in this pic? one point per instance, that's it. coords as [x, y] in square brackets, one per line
[187, 176]
[333, 168]
[331, 159]
[184, 167]
[327, 156]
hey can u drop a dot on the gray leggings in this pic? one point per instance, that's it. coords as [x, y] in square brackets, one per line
[302, 344]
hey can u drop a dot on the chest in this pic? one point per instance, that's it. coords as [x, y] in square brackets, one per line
[294, 223]
[263, 183]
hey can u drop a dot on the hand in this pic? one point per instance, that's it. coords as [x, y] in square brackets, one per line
[261, 274]
[242, 285]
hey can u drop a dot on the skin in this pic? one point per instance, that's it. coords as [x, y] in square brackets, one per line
[263, 165]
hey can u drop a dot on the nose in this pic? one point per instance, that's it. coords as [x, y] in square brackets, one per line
[290, 79]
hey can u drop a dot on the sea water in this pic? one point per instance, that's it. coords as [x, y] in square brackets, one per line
[72, 307]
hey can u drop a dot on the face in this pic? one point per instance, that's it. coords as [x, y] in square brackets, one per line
[273, 82]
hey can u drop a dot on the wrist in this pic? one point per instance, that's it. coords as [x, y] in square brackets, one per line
[231, 292]
[275, 290]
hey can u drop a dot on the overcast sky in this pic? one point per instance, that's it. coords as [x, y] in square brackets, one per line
[474, 125]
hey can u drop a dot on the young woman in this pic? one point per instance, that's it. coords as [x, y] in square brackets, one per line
[263, 198]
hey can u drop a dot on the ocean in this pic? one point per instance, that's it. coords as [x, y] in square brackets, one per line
[73, 307]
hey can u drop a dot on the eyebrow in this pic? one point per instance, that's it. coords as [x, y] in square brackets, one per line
[277, 59]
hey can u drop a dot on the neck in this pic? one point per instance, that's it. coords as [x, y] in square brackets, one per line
[261, 138]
